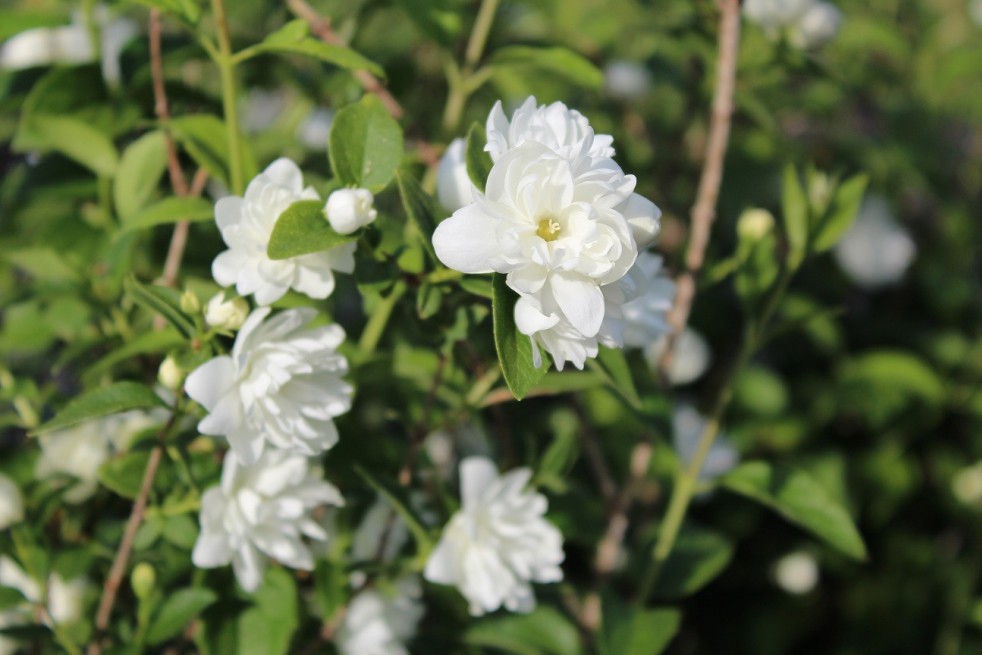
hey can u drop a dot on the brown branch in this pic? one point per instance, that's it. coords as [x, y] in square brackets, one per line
[422, 428]
[610, 545]
[321, 27]
[160, 104]
[704, 210]
[179, 239]
[122, 558]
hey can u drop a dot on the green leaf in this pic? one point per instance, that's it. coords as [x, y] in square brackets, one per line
[43, 264]
[302, 229]
[841, 213]
[796, 496]
[77, 140]
[205, 138]
[478, 161]
[293, 38]
[160, 300]
[365, 145]
[437, 19]
[267, 627]
[758, 269]
[543, 632]
[171, 210]
[514, 348]
[698, 557]
[177, 611]
[638, 631]
[154, 341]
[555, 60]
[613, 364]
[424, 543]
[420, 207]
[120, 397]
[124, 475]
[794, 207]
[140, 168]
[181, 530]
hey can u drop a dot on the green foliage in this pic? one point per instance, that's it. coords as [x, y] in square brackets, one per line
[514, 348]
[302, 229]
[293, 39]
[170, 210]
[543, 632]
[420, 207]
[478, 161]
[177, 611]
[638, 631]
[800, 499]
[113, 399]
[365, 145]
[552, 61]
[140, 168]
[75, 139]
[698, 557]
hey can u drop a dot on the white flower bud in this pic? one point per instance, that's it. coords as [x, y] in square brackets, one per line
[796, 573]
[454, 188]
[226, 314]
[350, 209]
[143, 579]
[755, 224]
[190, 304]
[817, 26]
[626, 80]
[170, 374]
[11, 503]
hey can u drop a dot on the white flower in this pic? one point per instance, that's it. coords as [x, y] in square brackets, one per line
[876, 251]
[975, 11]
[81, 450]
[796, 573]
[690, 358]
[71, 44]
[246, 225]
[64, 597]
[262, 511]
[226, 314]
[565, 131]
[559, 236]
[261, 107]
[350, 209]
[315, 129]
[816, 27]
[454, 188]
[11, 503]
[281, 384]
[498, 542]
[381, 520]
[380, 621]
[688, 426]
[774, 15]
[638, 304]
[626, 80]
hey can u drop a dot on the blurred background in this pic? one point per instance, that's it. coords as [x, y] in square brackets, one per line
[876, 391]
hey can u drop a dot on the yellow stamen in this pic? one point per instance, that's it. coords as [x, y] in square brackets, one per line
[549, 229]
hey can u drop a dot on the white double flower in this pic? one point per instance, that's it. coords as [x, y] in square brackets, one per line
[561, 220]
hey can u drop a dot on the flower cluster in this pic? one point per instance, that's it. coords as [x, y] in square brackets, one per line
[808, 24]
[560, 219]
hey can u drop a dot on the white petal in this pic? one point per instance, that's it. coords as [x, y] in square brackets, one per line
[211, 550]
[285, 173]
[529, 320]
[467, 241]
[643, 217]
[476, 475]
[210, 381]
[440, 567]
[581, 301]
[228, 211]
[249, 567]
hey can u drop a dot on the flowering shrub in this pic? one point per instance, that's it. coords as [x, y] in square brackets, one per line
[381, 328]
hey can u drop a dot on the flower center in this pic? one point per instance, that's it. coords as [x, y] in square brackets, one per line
[549, 229]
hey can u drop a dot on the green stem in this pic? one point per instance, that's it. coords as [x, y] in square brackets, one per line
[372, 333]
[479, 33]
[226, 68]
[459, 80]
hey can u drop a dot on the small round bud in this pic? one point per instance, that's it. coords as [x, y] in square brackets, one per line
[755, 224]
[226, 314]
[170, 374]
[190, 304]
[967, 485]
[143, 579]
[350, 209]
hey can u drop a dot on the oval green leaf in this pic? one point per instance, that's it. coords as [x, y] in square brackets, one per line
[120, 397]
[365, 145]
[514, 348]
[303, 229]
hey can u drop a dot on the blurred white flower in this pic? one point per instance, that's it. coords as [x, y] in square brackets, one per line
[71, 44]
[816, 27]
[350, 209]
[381, 621]
[690, 359]
[498, 542]
[8, 618]
[562, 130]
[688, 426]
[246, 225]
[64, 597]
[224, 314]
[454, 188]
[638, 304]
[80, 450]
[966, 485]
[260, 108]
[626, 80]
[445, 447]
[11, 503]
[796, 573]
[381, 520]
[975, 11]
[876, 251]
[281, 384]
[262, 511]
[774, 15]
[315, 129]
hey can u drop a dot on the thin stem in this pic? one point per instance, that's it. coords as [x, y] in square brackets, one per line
[479, 33]
[459, 80]
[372, 333]
[704, 209]
[178, 241]
[226, 68]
